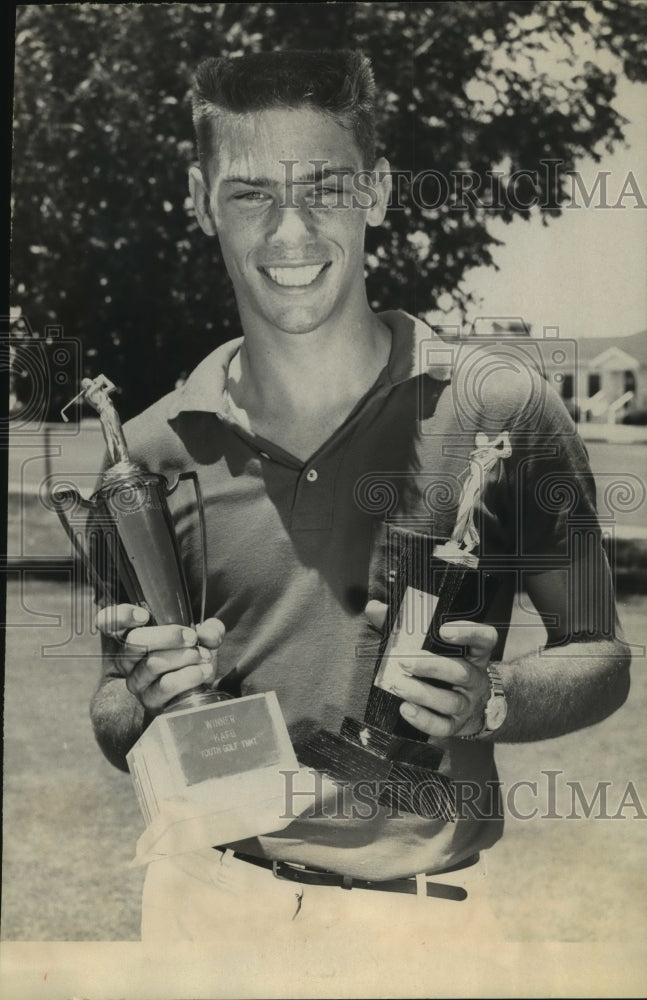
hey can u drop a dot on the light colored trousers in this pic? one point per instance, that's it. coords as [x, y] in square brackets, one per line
[289, 939]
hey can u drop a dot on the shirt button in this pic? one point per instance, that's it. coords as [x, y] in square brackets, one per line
[312, 475]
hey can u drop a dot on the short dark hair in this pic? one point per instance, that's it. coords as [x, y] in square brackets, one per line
[339, 83]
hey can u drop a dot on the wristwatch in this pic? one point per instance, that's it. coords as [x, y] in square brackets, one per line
[496, 708]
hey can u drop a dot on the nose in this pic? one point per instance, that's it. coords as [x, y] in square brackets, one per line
[291, 225]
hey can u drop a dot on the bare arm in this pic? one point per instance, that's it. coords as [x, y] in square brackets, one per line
[567, 685]
[559, 691]
[118, 717]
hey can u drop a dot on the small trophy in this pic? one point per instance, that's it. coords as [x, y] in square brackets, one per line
[430, 584]
[207, 770]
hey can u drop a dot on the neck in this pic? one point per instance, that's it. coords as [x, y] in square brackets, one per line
[338, 362]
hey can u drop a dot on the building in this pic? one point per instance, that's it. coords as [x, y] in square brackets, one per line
[600, 379]
[609, 381]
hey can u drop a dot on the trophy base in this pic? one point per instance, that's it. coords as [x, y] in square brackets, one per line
[391, 746]
[211, 773]
[400, 786]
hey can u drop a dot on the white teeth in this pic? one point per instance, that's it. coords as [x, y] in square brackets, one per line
[295, 276]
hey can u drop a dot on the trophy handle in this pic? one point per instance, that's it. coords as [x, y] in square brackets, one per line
[67, 501]
[193, 477]
[202, 695]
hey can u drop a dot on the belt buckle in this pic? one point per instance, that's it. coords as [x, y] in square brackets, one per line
[284, 872]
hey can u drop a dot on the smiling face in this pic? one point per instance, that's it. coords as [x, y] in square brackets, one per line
[290, 218]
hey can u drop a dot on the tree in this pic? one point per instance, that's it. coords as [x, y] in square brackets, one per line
[105, 242]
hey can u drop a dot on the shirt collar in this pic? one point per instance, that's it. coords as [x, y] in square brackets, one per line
[205, 388]
[416, 349]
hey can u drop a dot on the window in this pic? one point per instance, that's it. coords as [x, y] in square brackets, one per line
[594, 383]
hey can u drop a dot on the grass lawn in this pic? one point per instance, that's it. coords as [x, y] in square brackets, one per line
[72, 821]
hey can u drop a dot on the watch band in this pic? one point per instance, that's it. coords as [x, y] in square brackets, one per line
[495, 708]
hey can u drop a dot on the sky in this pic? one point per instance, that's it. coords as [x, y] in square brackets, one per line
[586, 272]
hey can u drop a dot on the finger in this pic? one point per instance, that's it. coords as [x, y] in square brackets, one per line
[452, 670]
[376, 611]
[437, 726]
[153, 667]
[140, 641]
[211, 633]
[118, 618]
[479, 639]
[444, 701]
[172, 684]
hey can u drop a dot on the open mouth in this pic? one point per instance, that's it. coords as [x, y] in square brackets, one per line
[295, 277]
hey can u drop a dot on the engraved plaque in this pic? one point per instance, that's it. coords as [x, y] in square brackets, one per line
[227, 738]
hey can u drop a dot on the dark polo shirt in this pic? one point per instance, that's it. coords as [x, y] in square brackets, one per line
[295, 550]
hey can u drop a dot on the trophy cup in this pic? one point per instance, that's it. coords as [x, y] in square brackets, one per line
[207, 769]
[429, 584]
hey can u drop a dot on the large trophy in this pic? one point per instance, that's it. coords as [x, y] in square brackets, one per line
[208, 769]
[430, 584]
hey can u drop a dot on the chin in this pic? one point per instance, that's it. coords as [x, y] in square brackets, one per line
[299, 324]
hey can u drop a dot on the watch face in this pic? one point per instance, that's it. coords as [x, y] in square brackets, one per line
[495, 712]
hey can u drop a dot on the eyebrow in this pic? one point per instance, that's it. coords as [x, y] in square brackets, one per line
[251, 181]
[312, 178]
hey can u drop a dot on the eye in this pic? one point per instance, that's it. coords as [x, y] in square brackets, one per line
[252, 196]
[326, 196]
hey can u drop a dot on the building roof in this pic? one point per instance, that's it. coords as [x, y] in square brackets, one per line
[613, 360]
[635, 345]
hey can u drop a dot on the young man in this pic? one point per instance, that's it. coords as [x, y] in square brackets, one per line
[317, 436]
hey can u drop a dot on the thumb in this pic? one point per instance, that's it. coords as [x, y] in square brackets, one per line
[375, 612]
[211, 633]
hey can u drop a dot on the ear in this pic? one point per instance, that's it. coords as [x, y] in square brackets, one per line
[201, 202]
[382, 189]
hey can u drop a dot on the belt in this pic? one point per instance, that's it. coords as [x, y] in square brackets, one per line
[314, 876]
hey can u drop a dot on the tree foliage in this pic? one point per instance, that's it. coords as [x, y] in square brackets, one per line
[104, 240]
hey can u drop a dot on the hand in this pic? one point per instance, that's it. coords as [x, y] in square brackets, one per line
[160, 662]
[439, 711]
